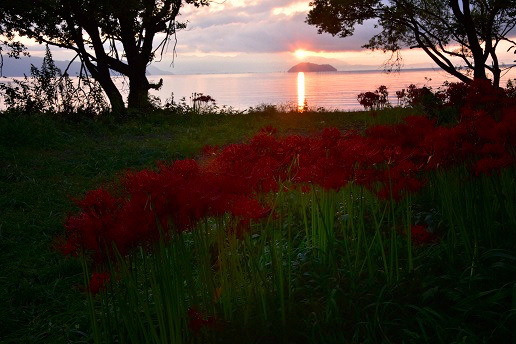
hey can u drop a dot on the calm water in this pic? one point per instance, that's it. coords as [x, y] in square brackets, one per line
[337, 90]
[330, 90]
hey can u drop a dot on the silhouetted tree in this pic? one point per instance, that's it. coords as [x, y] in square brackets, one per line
[106, 35]
[469, 30]
[377, 100]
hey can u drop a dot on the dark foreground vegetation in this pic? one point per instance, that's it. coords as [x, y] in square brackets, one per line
[46, 160]
[388, 228]
[359, 233]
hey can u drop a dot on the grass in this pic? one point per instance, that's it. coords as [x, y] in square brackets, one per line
[46, 160]
[309, 275]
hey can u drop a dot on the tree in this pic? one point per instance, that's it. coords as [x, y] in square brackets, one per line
[106, 35]
[468, 30]
[9, 46]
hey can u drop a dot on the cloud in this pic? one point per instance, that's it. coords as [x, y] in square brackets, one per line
[292, 9]
[245, 35]
[260, 35]
[267, 27]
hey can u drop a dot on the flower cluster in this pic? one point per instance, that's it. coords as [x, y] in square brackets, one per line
[151, 203]
[420, 235]
[388, 160]
[98, 282]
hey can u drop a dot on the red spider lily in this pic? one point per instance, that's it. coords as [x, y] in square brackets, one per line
[86, 230]
[389, 160]
[248, 208]
[490, 164]
[66, 246]
[98, 282]
[98, 201]
[493, 149]
[421, 236]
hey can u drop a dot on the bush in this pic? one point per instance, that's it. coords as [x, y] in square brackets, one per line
[510, 90]
[50, 90]
[445, 104]
[376, 100]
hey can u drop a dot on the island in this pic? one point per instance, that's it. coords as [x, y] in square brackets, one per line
[312, 67]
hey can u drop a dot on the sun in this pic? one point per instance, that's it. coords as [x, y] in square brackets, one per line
[301, 54]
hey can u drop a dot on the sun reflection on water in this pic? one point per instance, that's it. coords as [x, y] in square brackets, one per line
[301, 91]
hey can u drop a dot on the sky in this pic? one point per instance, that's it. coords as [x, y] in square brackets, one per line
[264, 35]
[238, 36]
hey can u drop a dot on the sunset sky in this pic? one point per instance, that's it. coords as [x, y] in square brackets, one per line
[267, 36]
[263, 35]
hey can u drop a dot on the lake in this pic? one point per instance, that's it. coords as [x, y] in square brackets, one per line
[337, 90]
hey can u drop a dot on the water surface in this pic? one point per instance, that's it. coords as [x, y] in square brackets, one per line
[337, 90]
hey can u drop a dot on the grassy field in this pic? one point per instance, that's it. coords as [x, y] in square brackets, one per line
[46, 160]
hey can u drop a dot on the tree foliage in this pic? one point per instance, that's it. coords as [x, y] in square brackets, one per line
[377, 100]
[467, 31]
[106, 35]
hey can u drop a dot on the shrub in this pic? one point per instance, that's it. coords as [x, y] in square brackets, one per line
[376, 100]
[49, 90]
[510, 89]
[445, 104]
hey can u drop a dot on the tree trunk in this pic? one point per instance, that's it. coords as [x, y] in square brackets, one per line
[480, 71]
[496, 70]
[139, 87]
[138, 92]
[115, 99]
[465, 18]
[102, 76]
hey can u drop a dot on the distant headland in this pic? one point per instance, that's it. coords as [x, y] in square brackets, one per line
[312, 67]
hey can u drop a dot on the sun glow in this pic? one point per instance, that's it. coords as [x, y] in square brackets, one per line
[301, 54]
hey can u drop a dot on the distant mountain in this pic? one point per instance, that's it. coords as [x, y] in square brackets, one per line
[312, 67]
[151, 70]
[20, 67]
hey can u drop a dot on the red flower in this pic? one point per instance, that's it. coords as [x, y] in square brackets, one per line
[248, 208]
[98, 201]
[489, 164]
[98, 282]
[66, 247]
[421, 236]
[493, 149]
[231, 179]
